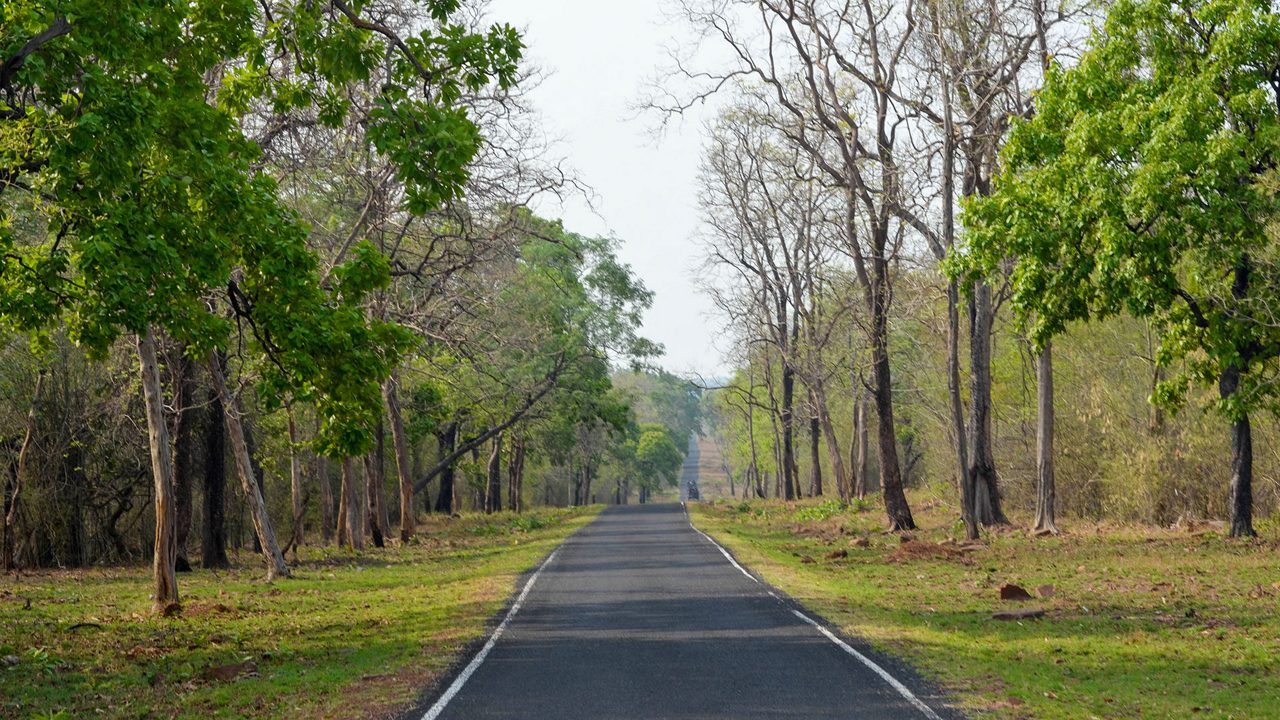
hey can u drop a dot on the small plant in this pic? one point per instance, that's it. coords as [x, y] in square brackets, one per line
[528, 523]
[42, 661]
[824, 510]
[860, 505]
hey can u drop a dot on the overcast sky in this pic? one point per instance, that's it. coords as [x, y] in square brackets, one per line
[599, 55]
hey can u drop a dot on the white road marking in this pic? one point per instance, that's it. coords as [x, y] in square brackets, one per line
[870, 664]
[725, 553]
[873, 667]
[472, 666]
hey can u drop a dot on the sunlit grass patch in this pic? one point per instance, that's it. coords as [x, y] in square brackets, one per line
[1141, 622]
[348, 636]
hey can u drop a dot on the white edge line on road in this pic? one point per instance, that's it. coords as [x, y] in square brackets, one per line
[472, 666]
[871, 665]
[726, 554]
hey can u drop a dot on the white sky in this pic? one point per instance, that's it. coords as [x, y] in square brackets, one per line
[599, 55]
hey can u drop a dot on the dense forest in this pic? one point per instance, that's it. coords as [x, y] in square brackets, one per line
[975, 246]
[270, 277]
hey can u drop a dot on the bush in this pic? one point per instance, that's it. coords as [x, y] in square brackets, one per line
[824, 510]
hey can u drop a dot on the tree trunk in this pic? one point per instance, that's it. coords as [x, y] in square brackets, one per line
[344, 523]
[213, 540]
[843, 487]
[353, 510]
[400, 442]
[183, 456]
[515, 476]
[328, 520]
[895, 498]
[251, 444]
[493, 486]
[276, 566]
[380, 467]
[815, 457]
[20, 472]
[295, 485]
[448, 439]
[165, 556]
[579, 486]
[967, 506]
[1242, 479]
[790, 484]
[1241, 461]
[1046, 495]
[373, 500]
[982, 466]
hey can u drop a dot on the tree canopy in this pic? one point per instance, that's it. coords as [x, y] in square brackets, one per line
[1146, 182]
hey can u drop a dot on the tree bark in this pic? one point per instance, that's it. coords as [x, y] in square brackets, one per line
[19, 474]
[373, 500]
[982, 466]
[448, 439]
[351, 527]
[515, 476]
[380, 467]
[493, 488]
[815, 457]
[967, 503]
[183, 455]
[1241, 461]
[844, 488]
[1046, 494]
[165, 555]
[213, 540]
[295, 486]
[343, 521]
[895, 498]
[1242, 479]
[276, 567]
[400, 441]
[328, 521]
[790, 484]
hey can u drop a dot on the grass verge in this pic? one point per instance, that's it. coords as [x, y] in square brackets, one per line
[349, 636]
[1139, 623]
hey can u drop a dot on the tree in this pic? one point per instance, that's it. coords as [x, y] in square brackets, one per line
[658, 458]
[1146, 182]
[156, 216]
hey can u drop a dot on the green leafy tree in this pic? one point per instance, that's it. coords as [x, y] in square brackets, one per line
[1146, 182]
[142, 210]
[658, 457]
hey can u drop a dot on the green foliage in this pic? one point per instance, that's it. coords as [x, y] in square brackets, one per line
[824, 510]
[661, 397]
[427, 601]
[658, 457]
[1145, 183]
[143, 201]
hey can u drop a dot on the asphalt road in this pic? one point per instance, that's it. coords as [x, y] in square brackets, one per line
[640, 616]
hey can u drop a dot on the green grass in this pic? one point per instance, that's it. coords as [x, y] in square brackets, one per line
[1143, 623]
[348, 636]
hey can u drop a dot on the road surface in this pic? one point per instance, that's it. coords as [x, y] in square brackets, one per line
[638, 615]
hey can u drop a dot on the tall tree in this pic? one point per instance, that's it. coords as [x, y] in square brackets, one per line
[154, 206]
[1146, 182]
